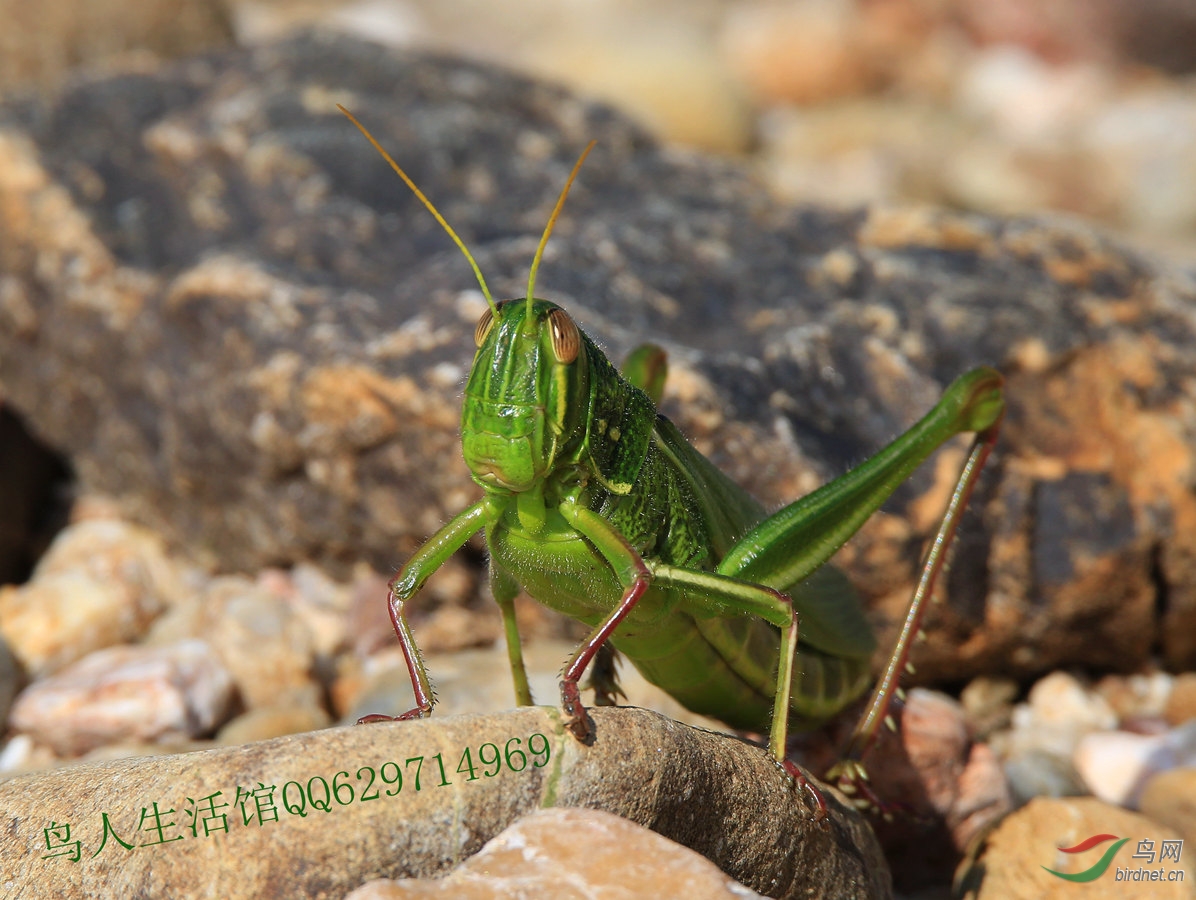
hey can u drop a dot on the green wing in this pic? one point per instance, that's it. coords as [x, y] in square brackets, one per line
[831, 618]
[830, 615]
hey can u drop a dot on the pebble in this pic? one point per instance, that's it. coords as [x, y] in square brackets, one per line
[22, 754]
[1181, 703]
[1137, 697]
[369, 618]
[479, 681]
[444, 617]
[663, 72]
[800, 53]
[468, 681]
[982, 796]
[988, 704]
[1058, 711]
[267, 648]
[1170, 797]
[571, 853]
[122, 693]
[1037, 773]
[1116, 765]
[935, 735]
[101, 582]
[267, 722]
[1144, 140]
[322, 605]
[1012, 862]
[1025, 99]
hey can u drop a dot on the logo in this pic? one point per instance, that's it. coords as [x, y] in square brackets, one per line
[1169, 850]
[1096, 871]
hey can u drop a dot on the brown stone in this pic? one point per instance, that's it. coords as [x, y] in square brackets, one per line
[719, 796]
[941, 788]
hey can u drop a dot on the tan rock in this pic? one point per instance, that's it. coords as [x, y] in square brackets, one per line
[1059, 710]
[479, 681]
[264, 722]
[1170, 798]
[804, 53]
[102, 582]
[988, 703]
[1015, 858]
[572, 853]
[665, 74]
[321, 603]
[40, 45]
[127, 693]
[1138, 696]
[268, 650]
[1181, 702]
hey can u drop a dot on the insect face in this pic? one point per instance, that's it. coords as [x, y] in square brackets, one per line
[525, 378]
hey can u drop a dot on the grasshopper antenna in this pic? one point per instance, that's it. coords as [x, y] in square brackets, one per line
[439, 218]
[556, 211]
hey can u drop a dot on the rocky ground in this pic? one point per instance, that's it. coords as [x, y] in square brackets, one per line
[245, 347]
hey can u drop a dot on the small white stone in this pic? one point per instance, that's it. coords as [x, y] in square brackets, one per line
[16, 753]
[1058, 712]
[127, 693]
[1117, 764]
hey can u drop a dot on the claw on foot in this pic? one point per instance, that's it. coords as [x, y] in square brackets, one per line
[820, 813]
[576, 718]
[416, 713]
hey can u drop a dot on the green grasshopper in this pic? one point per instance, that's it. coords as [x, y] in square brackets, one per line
[596, 506]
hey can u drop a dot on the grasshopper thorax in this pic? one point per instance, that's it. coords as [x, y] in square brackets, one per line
[528, 381]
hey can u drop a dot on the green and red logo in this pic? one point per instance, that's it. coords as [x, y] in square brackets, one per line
[1101, 865]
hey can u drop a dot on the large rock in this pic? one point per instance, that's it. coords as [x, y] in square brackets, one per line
[316, 815]
[227, 311]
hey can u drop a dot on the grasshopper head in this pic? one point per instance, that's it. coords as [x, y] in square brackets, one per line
[521, 404]
[522, 395]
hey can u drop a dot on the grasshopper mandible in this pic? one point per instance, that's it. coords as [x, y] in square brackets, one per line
[597, 506]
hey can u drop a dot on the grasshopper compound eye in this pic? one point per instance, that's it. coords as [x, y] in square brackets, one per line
[566, 340]
[485, 323]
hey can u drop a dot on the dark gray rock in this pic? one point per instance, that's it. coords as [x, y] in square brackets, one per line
[225, 310]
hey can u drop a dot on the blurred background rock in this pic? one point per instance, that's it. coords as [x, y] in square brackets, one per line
[1081, 106]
